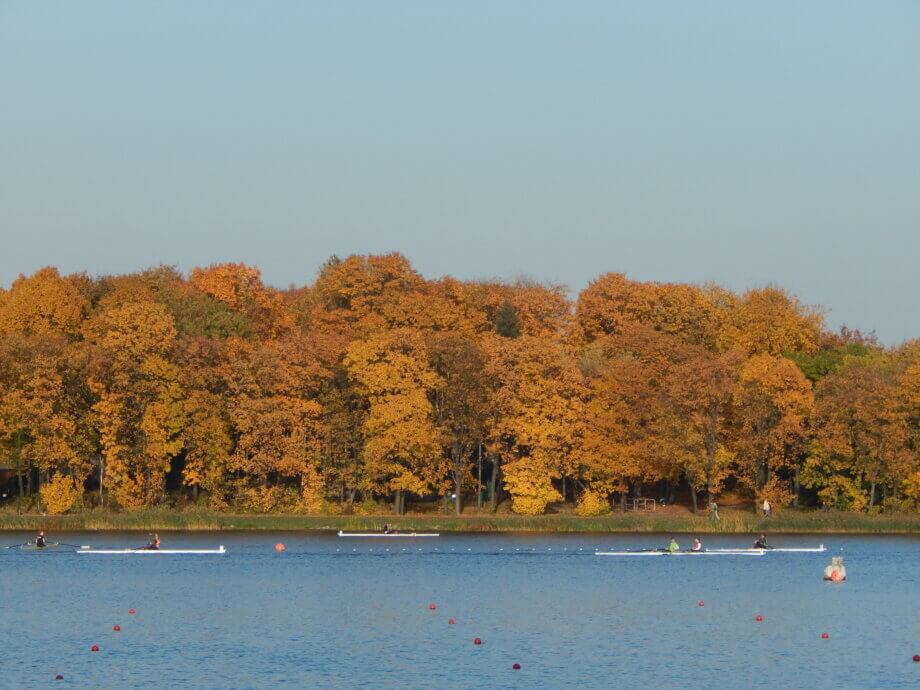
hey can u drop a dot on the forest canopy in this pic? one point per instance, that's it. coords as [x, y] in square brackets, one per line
[376, 384]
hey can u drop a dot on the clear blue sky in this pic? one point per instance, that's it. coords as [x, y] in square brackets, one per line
[689, 141]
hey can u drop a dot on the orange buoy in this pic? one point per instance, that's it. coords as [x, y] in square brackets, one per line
[824, 636]
[116, 628]
[279, 547]
[450, 621]
[431, 606]
[836, 576]
[758, 618]
[476, 640]
[132, 611]
[94, 648]
[516, 667]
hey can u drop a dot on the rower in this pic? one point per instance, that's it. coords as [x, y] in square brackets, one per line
[673, 547]
[697, 545]
[40, 540]
[761, 542]
[386, 529]
[154, 544]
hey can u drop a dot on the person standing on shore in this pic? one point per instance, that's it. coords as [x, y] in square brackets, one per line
[767, 508]
[713, 512]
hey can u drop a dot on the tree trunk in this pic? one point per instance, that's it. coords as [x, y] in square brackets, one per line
[797, 489]
[495, 474]
[693, 504]
[872, 495]
[479, 480]
[397, 502]
[457, 496]
[101, 481]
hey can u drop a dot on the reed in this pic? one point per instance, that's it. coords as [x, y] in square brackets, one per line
[732, 522]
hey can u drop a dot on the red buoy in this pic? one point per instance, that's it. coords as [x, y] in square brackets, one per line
[94, 648]
[701, 603]
[917, 658]
[476, 640]
[279, 547]
[758, 618]
[516, 667]
[59, 677]
[116, 628]
[824, 636]
[132, 611]
[432, 607]
[450, 621]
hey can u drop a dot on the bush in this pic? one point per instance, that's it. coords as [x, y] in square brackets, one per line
[59, 495]
[777, 492]
[530, 487]
[592, 503]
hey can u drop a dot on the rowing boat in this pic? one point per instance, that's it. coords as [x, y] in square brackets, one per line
[679, 553]
[32, 547]
[820, 549]
[390, 534]
[154, 552]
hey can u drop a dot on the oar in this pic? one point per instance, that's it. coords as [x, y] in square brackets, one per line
[15, 546]
[74, 546]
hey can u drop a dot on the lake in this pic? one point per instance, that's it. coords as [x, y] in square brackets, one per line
[345, 613]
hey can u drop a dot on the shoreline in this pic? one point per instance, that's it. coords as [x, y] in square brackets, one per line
[732, 522]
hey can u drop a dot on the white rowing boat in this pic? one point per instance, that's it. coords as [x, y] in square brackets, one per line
[389, 534]
[154, 552]
[678, 553]
[820, 549]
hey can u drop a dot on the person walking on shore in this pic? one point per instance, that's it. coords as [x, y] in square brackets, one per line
[767, 508]
[713, 512]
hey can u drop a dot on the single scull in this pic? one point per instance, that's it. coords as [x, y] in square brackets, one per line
[390, 534]
[154, 552]
[678, 553]
[31, 546]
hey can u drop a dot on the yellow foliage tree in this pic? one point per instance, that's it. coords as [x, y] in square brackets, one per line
[60, 494]
[140, 407]
[538, 420]
[401, 450]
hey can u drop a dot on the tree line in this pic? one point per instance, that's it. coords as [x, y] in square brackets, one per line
[375, 383]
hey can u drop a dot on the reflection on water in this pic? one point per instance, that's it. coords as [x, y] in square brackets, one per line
[342, 613]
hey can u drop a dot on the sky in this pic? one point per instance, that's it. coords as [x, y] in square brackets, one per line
[741, 143]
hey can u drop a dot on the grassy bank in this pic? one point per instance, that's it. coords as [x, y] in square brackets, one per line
[662, 521]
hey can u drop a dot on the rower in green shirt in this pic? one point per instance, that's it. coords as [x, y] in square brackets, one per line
[673, 546]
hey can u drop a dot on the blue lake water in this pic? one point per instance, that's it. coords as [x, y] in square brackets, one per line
[337, 613]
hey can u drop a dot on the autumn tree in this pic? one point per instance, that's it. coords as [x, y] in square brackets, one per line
[861, 436]
[43, 409]
[43, 303]
[537, 425]
[701, 391]
[769, 320]
[274, 415]
[139, 411]
[402, 453]
[773, 403]
[626, 439]
[240, 287]
[461, 403]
